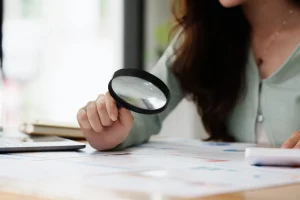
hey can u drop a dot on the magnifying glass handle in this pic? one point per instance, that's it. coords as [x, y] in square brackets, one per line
[118, 106]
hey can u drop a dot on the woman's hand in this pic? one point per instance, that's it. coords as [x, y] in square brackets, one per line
[103, 125]
[293, 141]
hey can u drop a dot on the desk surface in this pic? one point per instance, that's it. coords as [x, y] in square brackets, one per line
[285, 192]
[67, 175]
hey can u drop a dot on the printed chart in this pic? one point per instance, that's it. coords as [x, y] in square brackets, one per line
[169, 166]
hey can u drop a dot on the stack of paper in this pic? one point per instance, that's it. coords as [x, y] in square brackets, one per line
[51, 128]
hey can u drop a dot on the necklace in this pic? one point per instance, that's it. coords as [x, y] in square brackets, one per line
[260, 60]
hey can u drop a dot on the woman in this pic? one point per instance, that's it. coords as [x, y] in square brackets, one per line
[238, 60]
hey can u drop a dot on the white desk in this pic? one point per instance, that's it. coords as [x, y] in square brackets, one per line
[90, 174]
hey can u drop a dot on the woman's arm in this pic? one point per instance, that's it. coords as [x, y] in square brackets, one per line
[147, 125]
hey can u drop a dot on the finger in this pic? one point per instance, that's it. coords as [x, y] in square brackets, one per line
[111, 107]
[125, 117]
[83, 119]
[93, 117]
[292, 141]
[297, 146]
[103, 114]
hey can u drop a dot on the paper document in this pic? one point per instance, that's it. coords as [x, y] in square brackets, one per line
[172, 167]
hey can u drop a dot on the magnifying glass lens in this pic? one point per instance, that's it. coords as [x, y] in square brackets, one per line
[139, 91]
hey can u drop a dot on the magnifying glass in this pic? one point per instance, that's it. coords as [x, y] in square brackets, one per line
[139, 91]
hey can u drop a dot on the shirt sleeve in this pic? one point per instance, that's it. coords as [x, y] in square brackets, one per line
[147, 125]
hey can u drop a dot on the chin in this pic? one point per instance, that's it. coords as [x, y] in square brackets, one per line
[231, 3]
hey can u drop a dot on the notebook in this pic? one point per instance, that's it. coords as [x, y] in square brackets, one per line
[52, 128]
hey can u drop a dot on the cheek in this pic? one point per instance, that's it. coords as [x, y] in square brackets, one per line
[231, 3]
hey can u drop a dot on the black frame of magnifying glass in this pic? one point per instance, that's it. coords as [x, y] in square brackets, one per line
[143, 75]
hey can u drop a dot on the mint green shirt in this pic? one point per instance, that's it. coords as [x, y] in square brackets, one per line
[279, 99]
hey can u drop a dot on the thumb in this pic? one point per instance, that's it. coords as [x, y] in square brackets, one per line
[125, 117]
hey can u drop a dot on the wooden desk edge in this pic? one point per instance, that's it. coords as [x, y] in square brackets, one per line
[291, 192]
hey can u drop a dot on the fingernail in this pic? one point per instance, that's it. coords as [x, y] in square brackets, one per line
[101, 98]
[284, 146]
[113, 117]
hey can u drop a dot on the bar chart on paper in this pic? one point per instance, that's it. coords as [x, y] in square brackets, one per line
[168, 166]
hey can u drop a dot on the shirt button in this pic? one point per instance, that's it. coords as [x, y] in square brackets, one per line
[260, 118]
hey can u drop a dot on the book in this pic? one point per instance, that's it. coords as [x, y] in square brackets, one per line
[52, 128]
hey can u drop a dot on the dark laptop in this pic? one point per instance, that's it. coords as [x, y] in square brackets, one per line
[26, 143]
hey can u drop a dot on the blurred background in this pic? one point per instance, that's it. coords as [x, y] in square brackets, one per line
[59, 54]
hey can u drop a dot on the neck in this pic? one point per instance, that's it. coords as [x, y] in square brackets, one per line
[266, 16]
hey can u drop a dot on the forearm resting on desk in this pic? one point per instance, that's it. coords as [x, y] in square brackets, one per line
[143, 128]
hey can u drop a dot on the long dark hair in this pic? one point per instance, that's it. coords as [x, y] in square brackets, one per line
[211, 60]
